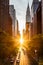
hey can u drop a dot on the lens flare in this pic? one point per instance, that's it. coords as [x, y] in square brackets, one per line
[21, 41]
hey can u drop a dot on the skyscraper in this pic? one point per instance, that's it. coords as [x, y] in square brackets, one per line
[12, 13]
[36, 17]
[4, 10]
[35, 4]
[5, 24]
[28, 20]
[28, 14]
[42, 16]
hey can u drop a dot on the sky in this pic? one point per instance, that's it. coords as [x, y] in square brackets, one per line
[21, 7]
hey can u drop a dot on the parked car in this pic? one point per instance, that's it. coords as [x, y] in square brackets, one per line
[18, 61]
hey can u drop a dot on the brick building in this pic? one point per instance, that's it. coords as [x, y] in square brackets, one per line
[5, 20]
[36, 17]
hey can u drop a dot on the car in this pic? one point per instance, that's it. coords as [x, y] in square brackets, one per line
[18, 61]
[11, 61]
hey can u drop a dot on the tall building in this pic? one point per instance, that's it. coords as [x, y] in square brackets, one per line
[28, 17]
[28, 20]
[42, 16]
[5, 24]
[39, 19]
[16, 27]
[17, 30]
[4, 10]
[28, 14]
[31, 30]
[36, 17]
[35, 5]
[12, 13]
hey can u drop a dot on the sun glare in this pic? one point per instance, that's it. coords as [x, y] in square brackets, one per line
[21, 40]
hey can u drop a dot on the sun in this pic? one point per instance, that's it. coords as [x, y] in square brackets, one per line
[21, 41]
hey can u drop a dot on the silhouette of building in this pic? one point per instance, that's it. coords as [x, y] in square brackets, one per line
[42, 15]
[16, 28]
[28, 20]
[5, 19]
[24, 34]
[36, 17]
[31, 30]
[35, 6]
[12, 13]
[39, 19]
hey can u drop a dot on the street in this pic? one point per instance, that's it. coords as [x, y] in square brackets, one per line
[24, 59]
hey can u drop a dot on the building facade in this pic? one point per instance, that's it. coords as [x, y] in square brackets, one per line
[42, 15]
[5, 24]
[31, 30]
[36, 17]
[39, 19]
[28, 20]
[16, 28]
[12, 13]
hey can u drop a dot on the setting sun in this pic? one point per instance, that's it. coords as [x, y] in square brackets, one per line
[21, 41]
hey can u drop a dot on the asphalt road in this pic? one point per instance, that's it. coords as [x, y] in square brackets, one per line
[24, 59]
